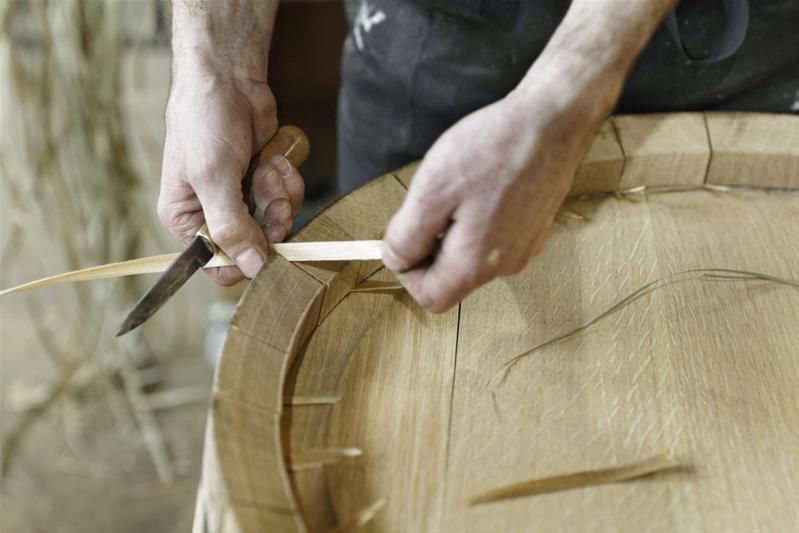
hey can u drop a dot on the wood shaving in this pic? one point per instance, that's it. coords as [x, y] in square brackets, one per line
[577, 480]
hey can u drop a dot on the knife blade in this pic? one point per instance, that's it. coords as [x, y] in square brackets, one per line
[193, 258]
[289, 141]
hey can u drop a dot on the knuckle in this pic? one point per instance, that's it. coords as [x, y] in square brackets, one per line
[164, 213]
[436, 195]
[265, 106]
[199, 173]
[178, 221]
[278, 210]
[227, 233]
[400, 252]
[396, 243]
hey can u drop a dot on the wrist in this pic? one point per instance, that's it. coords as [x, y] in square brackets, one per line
[200, 54]
[229, 38]
[564, 83]
[586, 62]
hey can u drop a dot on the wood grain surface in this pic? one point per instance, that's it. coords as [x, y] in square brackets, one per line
[706, 371]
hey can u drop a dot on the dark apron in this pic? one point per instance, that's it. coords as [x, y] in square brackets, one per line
[412, 68]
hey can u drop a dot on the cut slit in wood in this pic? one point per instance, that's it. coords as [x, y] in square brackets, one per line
[318, 458]
[361, 518]
[378, 286]
[578, 480]
[310, 400]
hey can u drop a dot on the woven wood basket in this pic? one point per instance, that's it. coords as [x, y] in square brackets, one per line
[336, 407]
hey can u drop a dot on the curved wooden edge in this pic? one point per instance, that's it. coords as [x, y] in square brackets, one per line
[246, 485]
[686, 150]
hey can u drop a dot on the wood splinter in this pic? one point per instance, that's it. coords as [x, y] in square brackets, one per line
[310, 400]
[379, 286]
[578, 480]
[318, 458]
[361, 518]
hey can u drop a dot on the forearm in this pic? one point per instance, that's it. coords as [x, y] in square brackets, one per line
[230, 36]
[593, 51]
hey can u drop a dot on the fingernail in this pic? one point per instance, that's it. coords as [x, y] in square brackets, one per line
[250, 262]
[282, 165]
[391, 260]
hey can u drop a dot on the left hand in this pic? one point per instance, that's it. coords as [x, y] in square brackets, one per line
[491, 185]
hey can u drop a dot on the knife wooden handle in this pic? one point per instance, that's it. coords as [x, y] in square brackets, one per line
[290, 142]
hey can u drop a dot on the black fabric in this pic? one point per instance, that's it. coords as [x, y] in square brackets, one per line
[412, 68]
[736, 23]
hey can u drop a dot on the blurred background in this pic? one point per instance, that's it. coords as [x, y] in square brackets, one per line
[98, 433]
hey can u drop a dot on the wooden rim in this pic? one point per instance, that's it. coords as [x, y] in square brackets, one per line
[246, 483]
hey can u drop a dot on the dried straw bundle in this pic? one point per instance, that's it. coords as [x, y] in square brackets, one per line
[71, 187]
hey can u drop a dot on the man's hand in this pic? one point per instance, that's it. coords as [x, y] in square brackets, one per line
[492, 185]
[487, 192]
[221, 113]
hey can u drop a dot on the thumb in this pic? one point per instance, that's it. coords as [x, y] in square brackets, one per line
[229, 221]
[413, 232]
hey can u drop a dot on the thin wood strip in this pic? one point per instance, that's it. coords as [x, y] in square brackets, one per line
[361, 518]
[330, 250]
[144, 265]
[577, 480]
[291, 251]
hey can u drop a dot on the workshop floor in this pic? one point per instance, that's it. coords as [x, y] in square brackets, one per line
[79, 469]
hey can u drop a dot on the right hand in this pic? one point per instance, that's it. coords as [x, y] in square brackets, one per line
[215, 124]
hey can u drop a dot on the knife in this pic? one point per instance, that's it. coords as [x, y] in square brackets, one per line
[289, 141]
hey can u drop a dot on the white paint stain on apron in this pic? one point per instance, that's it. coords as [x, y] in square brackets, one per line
[365, 20]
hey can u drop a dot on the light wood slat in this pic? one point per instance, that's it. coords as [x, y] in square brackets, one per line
[602, 165]
[663, 150]
[332, 251]
[750, 148]
[216, 511]
[248, 396]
